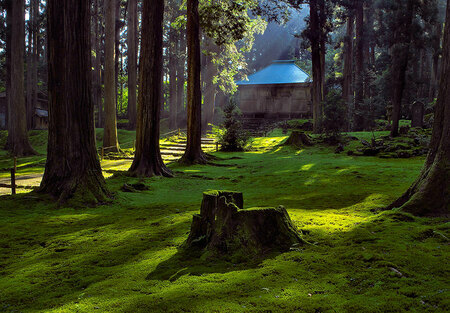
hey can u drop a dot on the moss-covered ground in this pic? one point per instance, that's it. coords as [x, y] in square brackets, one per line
[124, 257]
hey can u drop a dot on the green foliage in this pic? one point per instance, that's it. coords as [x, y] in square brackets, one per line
[232, 137]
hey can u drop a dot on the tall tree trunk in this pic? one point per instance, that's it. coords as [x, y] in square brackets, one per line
[35, 56]
[117, 52]
[359, 120]
[347, 91]
[17, 141]
[430, 193]
[436, 46]
[400, 56]
[110, 142]
[98, 31]
[172, 79]
[323, 48]
[193, 153]
[132, 62]
[316, 66]
[181, 74]
[210, 87]
[147, 161]
[8, 9]
[72, 169]
[29, 82]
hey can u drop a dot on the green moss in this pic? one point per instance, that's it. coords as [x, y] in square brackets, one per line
[124, 256]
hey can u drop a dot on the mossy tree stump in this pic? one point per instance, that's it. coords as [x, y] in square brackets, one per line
[225, 227]
[298, 139]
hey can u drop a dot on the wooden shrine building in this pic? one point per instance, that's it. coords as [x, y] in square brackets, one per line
[280, 91]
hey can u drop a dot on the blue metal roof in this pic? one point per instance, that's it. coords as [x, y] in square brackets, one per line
[279, 72]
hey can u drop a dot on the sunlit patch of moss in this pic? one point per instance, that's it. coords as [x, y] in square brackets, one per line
[99, 259]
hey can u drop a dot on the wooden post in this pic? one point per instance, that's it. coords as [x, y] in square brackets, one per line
[15, 164]
[217, 146]
[13, 181]
[134, 145]
[179, 132]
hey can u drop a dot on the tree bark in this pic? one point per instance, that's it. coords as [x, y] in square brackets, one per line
[29, 82]
[132, 62]
[210, 87]
[96, 62]
[17, 141]
[35, 56]
[72, 170]
[317, 95]
[359, 119]
[430, 193]
[193, 153]
[110, 142]
[181, 74]
[8, 9]
[400, 57]
[347, 91]
[172, 79]
[147, 161]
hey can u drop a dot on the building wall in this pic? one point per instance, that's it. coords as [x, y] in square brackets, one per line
[275, 100]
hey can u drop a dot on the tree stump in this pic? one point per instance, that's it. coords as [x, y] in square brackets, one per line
[225, 227]
[298, 139]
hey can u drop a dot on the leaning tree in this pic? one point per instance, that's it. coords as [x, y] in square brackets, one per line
[147, 161]
[430, 193]
[72, 168]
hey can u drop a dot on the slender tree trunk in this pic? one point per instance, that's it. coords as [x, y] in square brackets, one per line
[132, 62]
[430, 193]
[400, 56]
[17, 141]
[117, 53]
[110, 142]
[347, 91]
[210, 87]
[323, 48]
[8, 8]
[172, 79]
[359, 120]
[316, 66]
[35, 56]
[29, 82]
[193, 153]
[181, 75]
[147, 161]
[98, 64]
[72, 169]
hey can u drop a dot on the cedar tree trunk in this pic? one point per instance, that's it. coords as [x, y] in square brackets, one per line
[400, 56]
[210, 87]
[147, 161]
[193, 153]
[181, 73]
[72, 168]
[172, 79]
[17, 142]
[132, 62]
[359, 119]
[110, 142]
[430, 193]
[316, 66]
[347, 91]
